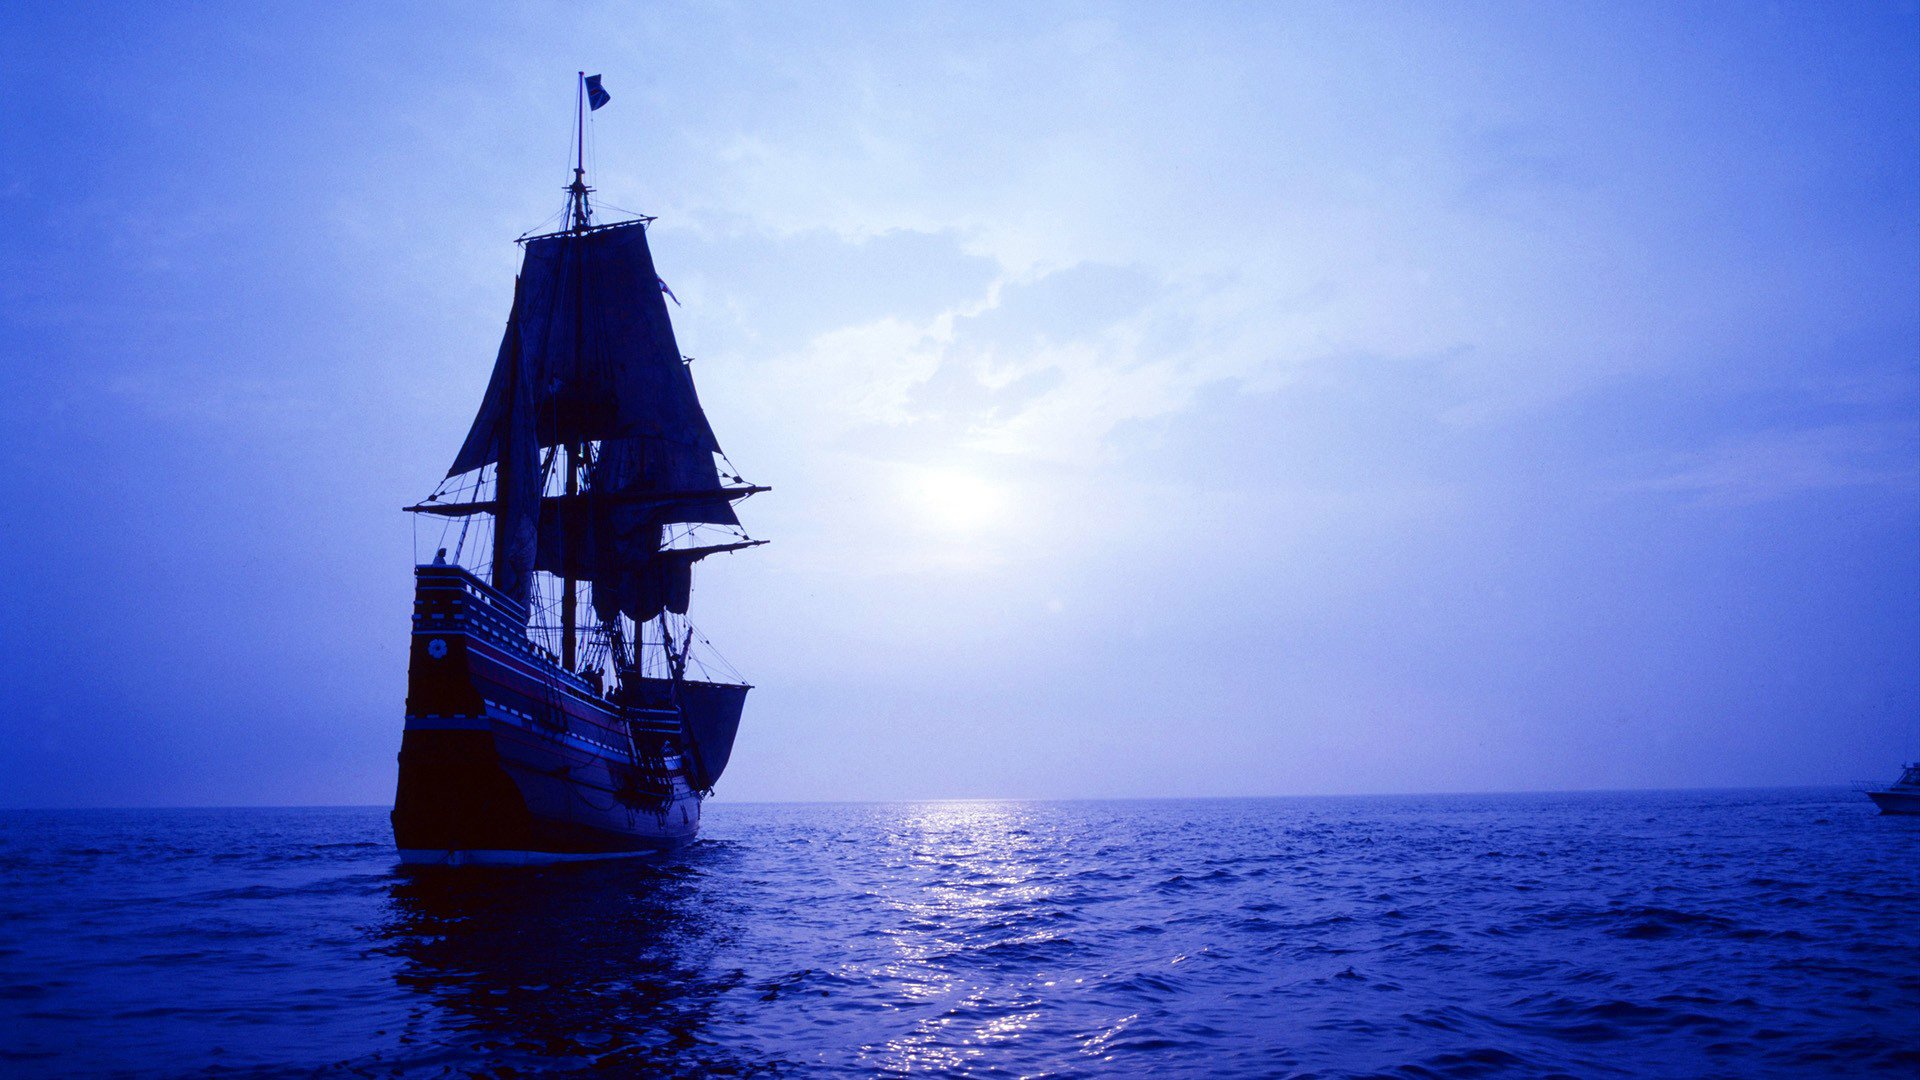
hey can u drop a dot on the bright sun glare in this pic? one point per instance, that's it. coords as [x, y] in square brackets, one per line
[958, 501]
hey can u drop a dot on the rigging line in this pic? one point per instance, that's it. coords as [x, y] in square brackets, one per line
[550, 223]
[461, 544]
[605, 205]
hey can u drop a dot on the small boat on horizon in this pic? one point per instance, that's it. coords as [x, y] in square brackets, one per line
[1902, 796]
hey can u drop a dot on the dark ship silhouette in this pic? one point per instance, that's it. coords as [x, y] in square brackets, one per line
[550, 710]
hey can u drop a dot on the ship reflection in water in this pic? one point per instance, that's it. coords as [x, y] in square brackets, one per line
[623, 965]
[587, 965]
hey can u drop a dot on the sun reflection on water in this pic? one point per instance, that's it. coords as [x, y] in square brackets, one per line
[1216, 938]
[966, 880]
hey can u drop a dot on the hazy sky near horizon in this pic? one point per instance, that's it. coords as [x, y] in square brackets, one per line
[1159, 399]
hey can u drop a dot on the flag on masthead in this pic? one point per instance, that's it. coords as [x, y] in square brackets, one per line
[596, 97]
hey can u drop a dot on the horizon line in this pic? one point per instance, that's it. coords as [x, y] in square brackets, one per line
[1852, 785]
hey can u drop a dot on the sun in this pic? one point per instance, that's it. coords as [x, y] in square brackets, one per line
[956, 501]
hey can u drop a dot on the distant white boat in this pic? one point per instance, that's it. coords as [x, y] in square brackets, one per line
[1902, 796]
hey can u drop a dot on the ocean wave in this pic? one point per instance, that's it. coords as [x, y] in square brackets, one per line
[1510, 936]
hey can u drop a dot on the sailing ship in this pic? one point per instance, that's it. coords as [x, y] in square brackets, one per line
[559, 703]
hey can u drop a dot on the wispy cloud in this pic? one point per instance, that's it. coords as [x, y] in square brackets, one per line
[1781, 463]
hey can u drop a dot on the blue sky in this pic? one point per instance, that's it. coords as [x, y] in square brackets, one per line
[1225, 399]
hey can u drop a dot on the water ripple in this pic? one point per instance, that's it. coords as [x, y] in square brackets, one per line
[1744, 934]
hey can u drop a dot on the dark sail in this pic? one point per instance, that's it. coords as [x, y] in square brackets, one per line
[712, 715]
[631, 573]
[517, 483]
[596, 349]
[589, 356]
[628, 471]
[612, 534]
[664, 502]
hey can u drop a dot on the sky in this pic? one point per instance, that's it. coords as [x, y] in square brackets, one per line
[1159, 400]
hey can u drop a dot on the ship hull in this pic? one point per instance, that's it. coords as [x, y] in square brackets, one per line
[1896, 802]
[486, 857]
[507, 759]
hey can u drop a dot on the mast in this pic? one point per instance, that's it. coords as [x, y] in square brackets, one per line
[577, 210]
[570, 588]
[575, 455]
[502, 494]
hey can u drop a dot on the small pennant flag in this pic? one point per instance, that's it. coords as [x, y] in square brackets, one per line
[596, 97]
[669, 292]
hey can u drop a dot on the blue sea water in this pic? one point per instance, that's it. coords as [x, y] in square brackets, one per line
[1682, 934]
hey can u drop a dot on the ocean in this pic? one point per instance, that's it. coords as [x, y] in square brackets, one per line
[1670, 934]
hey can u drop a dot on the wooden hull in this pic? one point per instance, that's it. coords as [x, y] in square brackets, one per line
[509, 759]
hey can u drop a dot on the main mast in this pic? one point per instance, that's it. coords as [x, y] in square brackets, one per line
[578, 213]
[574, 455]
